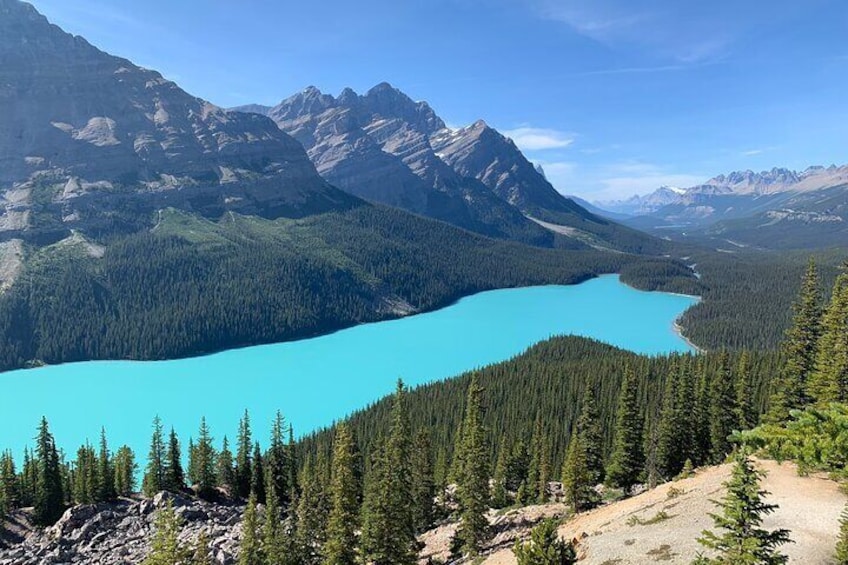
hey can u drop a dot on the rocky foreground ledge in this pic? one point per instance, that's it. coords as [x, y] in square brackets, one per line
[119, 533]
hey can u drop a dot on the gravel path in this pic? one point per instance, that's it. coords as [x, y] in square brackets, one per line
[621, 533]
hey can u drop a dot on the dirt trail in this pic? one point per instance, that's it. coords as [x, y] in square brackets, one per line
[618, 534]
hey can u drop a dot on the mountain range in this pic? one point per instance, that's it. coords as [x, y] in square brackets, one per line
[779, 208]
[385, 147]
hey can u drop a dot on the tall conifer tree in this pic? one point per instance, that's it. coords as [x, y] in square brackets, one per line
[473, 487]
[390, 535]
[829, 381]
[243, 471]
[154, 474]
[799, 347]
[174, 477]
[628, 459]
[343, 522]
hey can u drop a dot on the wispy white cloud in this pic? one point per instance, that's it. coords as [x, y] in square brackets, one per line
[664, 29]
[539, 139]
[753, 152]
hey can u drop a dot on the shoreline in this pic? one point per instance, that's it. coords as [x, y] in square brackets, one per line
[678, 329]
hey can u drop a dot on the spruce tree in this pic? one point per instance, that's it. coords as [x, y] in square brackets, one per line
[166, 548]
[243, 464]
[628, 459]
[473, 487]
[154, 474]
[534, 470]
[204, 453]
[544, 547]
[577, 478]
[500, 497]
[389, 538]
[224, 468]
[277, 461]
[173, 476]
[49, 494]
[423, 486]
[589, 431]
[517, 466]
[829, 381]
[84, 483]
[799, 348]
[746, 413]
[669, 456]
[105, 471]
[744, 541]
[311, 515]
[9, 483]
[341, 545]
[125, 468]
[722, 410]
[250, 550]
[258, 475]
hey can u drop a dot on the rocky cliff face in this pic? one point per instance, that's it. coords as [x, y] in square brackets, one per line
[380, 146]
[88, 138]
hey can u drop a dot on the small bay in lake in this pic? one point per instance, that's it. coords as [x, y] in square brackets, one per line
[318, 380]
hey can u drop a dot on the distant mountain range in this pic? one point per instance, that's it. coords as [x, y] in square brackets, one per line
[385, 147]
[779, 208]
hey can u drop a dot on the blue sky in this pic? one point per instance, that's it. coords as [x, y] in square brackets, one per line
[613, 97]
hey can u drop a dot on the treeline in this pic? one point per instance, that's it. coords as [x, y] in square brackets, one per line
[193, 286]
[538, 396]
[746, 298]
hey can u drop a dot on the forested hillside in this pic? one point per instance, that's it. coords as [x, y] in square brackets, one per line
[192, 285]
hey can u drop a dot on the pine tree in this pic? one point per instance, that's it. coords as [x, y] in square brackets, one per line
[577, 478]
[278, 545]
[258, 475]
[311, 515]
[105, 471]
[154, 474]
[799, 348]
[628, 459]
[84, 483]
[744, 541]
[473, 487]
[293, 467]
[340, 548]
[250, 550]
[500, 497]
[536, 457]
[669, 456]
[589, 431]
[125, 468]
[746, 413]
[842, 542]
[49, 494]
[173, 475]
[517, 466]
[423, 485]
[829, 381]
[701, 429]
[722, 410]
[205, 482]
[10, 485]
[166, 548]
[277, 461]
[389, 536]
[225, 472]
[544, 547]
[243, 468]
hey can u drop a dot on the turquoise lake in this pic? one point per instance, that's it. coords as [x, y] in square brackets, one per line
[315, 381]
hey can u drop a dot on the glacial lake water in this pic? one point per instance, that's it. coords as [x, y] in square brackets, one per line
[316, 381]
